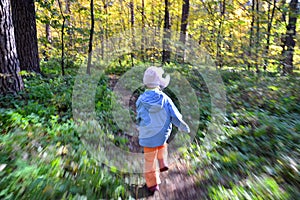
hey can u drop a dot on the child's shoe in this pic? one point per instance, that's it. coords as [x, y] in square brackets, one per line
[153, 188]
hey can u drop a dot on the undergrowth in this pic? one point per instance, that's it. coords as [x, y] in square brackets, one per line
[42, 155]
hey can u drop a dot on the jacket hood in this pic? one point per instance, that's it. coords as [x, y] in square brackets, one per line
[153, 100]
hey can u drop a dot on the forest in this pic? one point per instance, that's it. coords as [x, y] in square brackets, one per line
[71, 72]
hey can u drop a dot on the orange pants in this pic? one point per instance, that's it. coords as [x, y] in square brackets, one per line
[151, 154]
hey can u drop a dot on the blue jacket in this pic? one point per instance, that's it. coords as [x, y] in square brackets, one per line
[155, 115]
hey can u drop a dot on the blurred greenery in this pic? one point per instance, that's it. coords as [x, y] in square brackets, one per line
[256, 157]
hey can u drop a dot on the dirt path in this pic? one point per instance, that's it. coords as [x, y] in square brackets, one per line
[177, 184]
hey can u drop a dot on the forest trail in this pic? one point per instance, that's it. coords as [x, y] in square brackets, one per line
[177, 183]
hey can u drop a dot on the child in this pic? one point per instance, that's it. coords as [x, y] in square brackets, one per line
[155, 115]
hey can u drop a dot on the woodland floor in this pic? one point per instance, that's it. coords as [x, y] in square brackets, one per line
[177, 183]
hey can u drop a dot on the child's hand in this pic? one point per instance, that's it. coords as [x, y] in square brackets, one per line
[184, 127]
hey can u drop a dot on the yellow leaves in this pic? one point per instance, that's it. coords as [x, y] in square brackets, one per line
[63, 150]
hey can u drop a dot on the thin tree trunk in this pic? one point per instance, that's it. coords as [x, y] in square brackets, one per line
[10, 79]
[283, 19]
[132, 20]
[251, 34]
[62, 39]
[257, 46]
[122, 13]
[102, 41]
[102, 35]
[88, 71]
[143, 31]
[48, 33]
[105, 5]
[290, 38]
[69, 23]
[49, 41]
[23, 15]
[183, 26]
[166, 55]
[219, 36]
[270, 21]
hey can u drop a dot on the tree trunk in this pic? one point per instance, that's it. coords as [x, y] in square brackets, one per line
[219, 36]
[105, 5]
[49, 41]
[90, 51]
[48, 33]
[69, 23]
[23, 15]
[290, 38]
[257, 46]
[251, 34]
[62, 39]
[166, 55]
[270, 21]
[132, 20]
[143, 32]
[122, 14]
[283, 19]
[183, 26]
[10, 79]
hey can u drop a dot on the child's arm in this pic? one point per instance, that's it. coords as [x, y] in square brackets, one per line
[176, 118]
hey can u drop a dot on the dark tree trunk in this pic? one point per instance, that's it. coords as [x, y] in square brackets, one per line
[10, 79]
[143, 31]
[251, 34]
[183, 26]
[90, 51]
[219, 36]
[166, 55]
[270, 21]
[62, 39]
[257, 46]
[288, 54]
[23, 15]
[132, 20]
[48, 33]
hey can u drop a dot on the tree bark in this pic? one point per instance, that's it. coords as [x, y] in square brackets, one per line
[219, 36]
[143, 31]
[166, 55]
[90, 51]
[132, 20]
[62, 39]
[69, 23]
[48, 33]
[23, 15]
[270, 21]
[290, 38]
[257, 46]
[251, 33]
[10, 79]
[183, 26]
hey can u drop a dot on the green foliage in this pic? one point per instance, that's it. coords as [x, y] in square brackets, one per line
[41, 152]
[258, 141]
[255, 188]
[255, 156]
